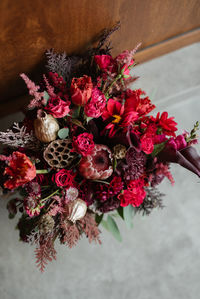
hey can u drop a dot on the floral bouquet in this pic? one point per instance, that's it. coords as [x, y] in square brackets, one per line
[88, 149]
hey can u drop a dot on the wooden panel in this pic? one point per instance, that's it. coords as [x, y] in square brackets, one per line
[28, 28]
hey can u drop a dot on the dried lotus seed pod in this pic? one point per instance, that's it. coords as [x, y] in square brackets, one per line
[58, 154]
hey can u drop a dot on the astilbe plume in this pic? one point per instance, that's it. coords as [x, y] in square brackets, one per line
[70, 233]
[50, 89]
[45, 251]
[38, 100]
[90, 228]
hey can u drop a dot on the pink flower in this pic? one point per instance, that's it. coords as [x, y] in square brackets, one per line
[20, 170]
[81, 90]
[33, 205]
[83, 144]
[177, 143]
[95, 107]
[64, 178]
[57, 107]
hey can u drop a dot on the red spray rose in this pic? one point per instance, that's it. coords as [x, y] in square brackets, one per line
[57, 107]
[81, 90]
[104, 61]
[95, 107]
[64, 178]
[20, 169]
[83, 144]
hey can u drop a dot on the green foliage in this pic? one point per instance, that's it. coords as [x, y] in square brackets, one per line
[113, 228]
[46, 97]
[63, 133]
[158, 148]
[98, 218]
[128, 215]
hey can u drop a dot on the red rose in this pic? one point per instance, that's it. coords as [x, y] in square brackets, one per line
[57, 107]
[147, 144]
[20, 169]
[95, 107]
[64, 178]
[104, 61]
[81, 90]
[83, 144]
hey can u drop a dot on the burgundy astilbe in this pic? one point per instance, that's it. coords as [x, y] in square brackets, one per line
[70, 233]
[90, 228]
[109, 205]
[45, 252]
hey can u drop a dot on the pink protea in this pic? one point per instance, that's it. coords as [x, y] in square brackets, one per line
[97, 165]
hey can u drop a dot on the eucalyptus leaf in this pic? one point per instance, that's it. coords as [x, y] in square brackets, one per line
[113, 228]
[46, 97]
[105, 224]
[63, 133]
[128, 215]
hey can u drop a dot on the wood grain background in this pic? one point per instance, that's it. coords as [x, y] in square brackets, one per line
[28, 28]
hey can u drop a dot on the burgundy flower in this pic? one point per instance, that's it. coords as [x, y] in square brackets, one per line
[64, 178]
[81, 90]
[95, 107]
[104, 61]
[97, 165]
[20, 170]
[57, 107]
[134, 195]
[83, 144]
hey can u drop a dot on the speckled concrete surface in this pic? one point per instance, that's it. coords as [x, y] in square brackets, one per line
[160, 257]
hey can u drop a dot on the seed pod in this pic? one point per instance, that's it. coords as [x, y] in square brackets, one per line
[45, 127]
[76, 210]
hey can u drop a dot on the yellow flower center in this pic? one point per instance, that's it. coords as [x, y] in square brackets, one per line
[116, 119]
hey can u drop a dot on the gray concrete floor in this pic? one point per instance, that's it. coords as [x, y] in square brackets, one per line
[160, 257]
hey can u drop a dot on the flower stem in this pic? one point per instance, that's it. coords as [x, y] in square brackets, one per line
[40, 171]
[111, 85]
[52, 194]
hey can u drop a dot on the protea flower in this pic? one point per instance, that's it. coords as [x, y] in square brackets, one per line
[97, 165]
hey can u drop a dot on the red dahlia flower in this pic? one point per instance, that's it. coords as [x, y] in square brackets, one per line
[119, 115]
[20, 170]
[168, 125]
[81, 90]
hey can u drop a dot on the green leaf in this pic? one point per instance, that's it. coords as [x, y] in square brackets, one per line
[158, 148]
[105, 224]
[113, 228]
[114, 164]
[88, 119]
[46, 97]
[128, 215]
[77, 123]
[98, 218]
[120, 212]
[63, 133]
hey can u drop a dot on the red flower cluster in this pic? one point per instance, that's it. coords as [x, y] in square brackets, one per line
[134, 195]
[57, 107]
